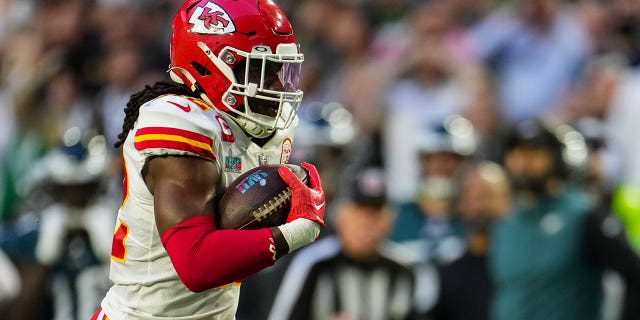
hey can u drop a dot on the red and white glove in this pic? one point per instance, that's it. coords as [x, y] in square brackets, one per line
[307, 203]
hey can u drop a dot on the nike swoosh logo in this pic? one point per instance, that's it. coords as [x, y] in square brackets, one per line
[318, 206]
[186, 108]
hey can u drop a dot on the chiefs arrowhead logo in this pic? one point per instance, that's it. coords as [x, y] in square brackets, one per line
[287, 148]
[211, 19]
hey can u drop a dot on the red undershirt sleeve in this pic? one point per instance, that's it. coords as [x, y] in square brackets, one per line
[206, 258]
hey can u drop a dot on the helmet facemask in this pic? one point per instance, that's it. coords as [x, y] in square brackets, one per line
[266, 82]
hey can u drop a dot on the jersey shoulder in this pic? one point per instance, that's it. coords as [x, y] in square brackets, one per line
[175, 125]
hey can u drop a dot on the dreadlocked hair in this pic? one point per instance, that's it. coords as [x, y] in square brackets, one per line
[141, 97]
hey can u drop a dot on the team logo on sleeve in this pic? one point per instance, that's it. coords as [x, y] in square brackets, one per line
[211, 19]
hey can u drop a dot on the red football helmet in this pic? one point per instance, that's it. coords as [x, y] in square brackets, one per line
[241, 56]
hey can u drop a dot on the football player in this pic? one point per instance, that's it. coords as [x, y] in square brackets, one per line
[231, 107]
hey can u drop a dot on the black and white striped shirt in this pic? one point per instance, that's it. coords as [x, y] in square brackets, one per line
[322, 283]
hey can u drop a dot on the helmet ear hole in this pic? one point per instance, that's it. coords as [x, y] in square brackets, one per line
[202, 70]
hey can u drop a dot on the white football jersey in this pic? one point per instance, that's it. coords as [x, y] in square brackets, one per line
[146, 285]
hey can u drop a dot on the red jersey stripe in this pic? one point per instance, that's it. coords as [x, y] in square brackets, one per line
[99, 315]
[175, 145]
[173, 138]
[175, 132]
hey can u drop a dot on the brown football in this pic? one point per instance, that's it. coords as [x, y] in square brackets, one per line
[257, 199]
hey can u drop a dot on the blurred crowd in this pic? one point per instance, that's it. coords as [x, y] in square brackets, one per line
[503, 129]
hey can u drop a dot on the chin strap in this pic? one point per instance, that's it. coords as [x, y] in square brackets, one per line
[252, 128]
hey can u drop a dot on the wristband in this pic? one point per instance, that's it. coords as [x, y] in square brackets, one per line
[299, 233]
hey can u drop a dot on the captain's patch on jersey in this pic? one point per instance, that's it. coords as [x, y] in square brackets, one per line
[211, 19]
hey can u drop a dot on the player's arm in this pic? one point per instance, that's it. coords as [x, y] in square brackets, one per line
[183, 187]
[204, 258]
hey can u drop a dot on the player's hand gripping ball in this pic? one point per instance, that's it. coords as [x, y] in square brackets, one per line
[259, 198]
